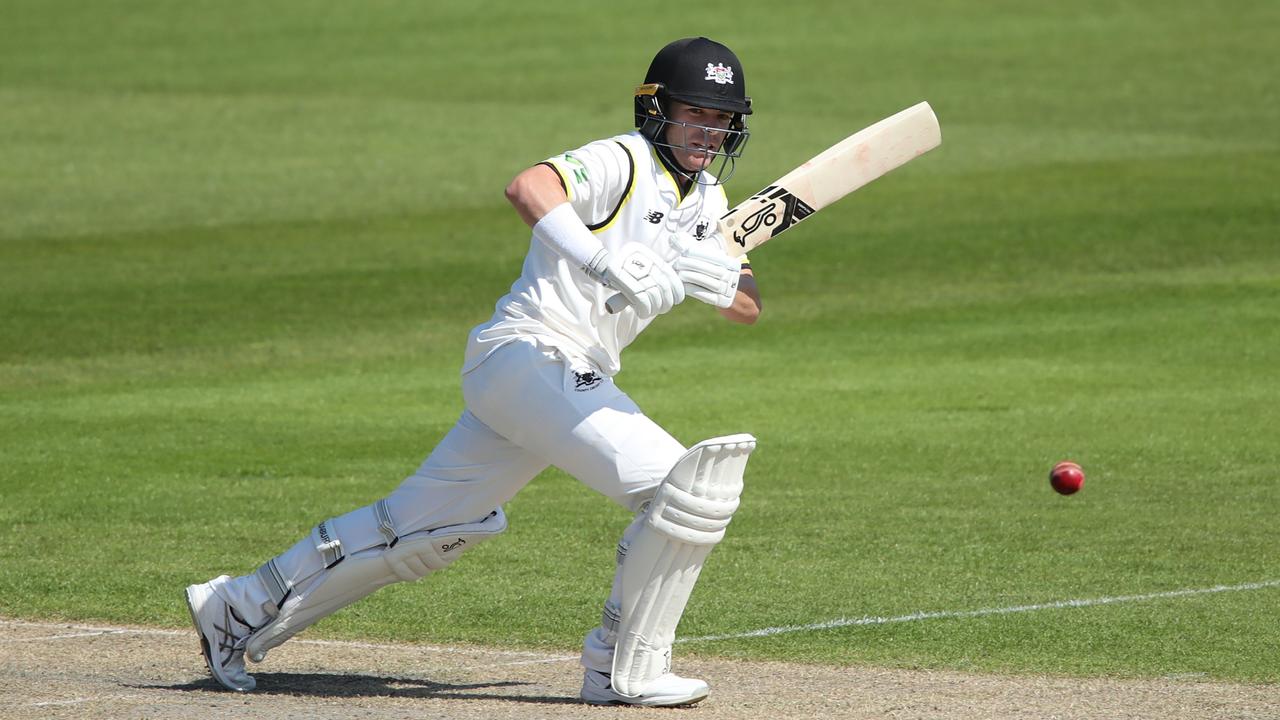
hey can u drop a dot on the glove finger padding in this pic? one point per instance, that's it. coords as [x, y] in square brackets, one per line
[649, 283]
[671, 286]
[712, 276]
[722, 300]
[708, 275]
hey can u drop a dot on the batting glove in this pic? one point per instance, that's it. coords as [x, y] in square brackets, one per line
[708, 274]
[648, 283]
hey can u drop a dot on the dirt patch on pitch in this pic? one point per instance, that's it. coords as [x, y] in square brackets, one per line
[71, 671]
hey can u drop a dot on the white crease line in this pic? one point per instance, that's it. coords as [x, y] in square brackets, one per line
[96, 633]
[949, 614]
[93, 631]
[47, 703]
[89, 628]
[81, 701]
[763, 632]
[426, 648]
[561, 658]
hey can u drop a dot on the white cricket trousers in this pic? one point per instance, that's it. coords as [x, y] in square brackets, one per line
[526, 410]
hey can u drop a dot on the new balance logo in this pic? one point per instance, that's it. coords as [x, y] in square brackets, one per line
[654, 217]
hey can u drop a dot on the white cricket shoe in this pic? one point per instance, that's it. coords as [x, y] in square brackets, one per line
[222, 635]
[667, 691]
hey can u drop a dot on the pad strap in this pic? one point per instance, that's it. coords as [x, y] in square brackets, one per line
[611, 618]
[327, 542]
[385, 524]
[277, 587]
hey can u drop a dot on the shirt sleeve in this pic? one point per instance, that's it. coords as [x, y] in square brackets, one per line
[597, 177]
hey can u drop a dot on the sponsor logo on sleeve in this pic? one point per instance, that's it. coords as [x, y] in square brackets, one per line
[579, 170]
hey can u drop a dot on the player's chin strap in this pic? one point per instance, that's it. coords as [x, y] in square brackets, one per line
[721, 176]
[686, 518]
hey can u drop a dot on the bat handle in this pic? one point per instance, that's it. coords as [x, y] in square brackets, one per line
[616, 304]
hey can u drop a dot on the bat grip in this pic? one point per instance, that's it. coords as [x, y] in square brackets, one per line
[616, 304]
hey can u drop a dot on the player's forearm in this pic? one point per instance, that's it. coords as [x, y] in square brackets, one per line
[535, 192]
[746, 305]
[537, 196]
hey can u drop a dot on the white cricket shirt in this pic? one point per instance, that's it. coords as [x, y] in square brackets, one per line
[622, 193]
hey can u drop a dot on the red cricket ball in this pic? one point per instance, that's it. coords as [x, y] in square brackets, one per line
[1066, 477]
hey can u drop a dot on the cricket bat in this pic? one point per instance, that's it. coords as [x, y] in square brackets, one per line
[824, 179]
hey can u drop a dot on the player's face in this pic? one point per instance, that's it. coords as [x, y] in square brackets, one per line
[698, 137]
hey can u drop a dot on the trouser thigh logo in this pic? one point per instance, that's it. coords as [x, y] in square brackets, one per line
[588, 380]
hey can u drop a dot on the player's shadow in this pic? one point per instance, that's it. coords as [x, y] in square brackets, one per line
[328, 685]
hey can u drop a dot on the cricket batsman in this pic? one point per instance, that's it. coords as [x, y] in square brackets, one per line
[631, 215]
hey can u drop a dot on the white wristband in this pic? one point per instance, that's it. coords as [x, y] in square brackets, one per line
[562, 231]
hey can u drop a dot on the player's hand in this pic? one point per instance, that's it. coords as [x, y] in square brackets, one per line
[708, 273]
[648, 283]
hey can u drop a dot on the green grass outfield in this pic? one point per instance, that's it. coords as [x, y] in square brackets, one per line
[241, 245]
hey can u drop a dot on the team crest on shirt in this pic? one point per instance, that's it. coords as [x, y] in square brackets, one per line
[584, 381]
[700, 232]
[720, 74]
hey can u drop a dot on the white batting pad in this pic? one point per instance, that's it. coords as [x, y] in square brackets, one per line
[352, 577]
[687, 517]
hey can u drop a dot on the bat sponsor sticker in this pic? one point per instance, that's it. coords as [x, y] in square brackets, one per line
[778, 211]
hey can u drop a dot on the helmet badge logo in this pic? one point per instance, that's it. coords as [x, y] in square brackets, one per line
[720, 74]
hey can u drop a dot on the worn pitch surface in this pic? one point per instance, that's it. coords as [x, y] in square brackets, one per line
[51, 670]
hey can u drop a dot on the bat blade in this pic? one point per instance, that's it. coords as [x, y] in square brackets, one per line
[829, 176]
[835, 172]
